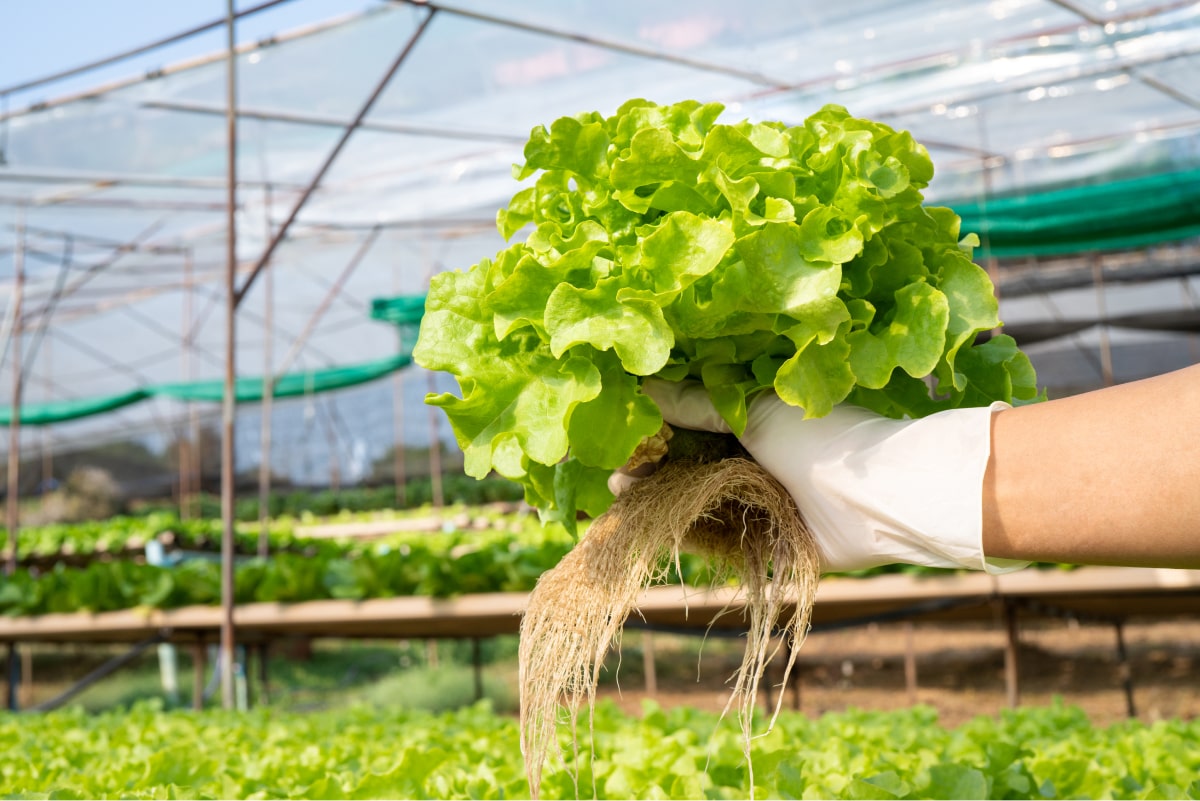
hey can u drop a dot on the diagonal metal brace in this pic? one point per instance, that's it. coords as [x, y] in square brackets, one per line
[333, 154]
[109, 667]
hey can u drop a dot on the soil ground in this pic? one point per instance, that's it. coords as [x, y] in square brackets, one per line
[960, 670]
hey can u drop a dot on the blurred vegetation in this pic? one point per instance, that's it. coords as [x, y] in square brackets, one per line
[326, 674]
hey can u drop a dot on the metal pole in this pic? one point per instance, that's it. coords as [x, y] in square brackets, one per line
[268, 396]
[764, 687]
[1012, 643]
[264, 673]
[107, 669]
[13, 677]
[985, 236]
[12, 505]
[436, 491]
[229, 407]
[1106, 362]
[185, 443]
[477, 661]
[648, 666]
[910, 663]
[195, 451]
[199, 668]
[331, 439]
[333, 154]
[399, 457]
[47, 444]
[1125, 670]
[797, 676]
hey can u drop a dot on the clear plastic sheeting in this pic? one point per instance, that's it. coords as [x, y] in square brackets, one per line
[119, 192]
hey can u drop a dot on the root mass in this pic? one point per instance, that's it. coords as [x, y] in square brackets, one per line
[731, 512]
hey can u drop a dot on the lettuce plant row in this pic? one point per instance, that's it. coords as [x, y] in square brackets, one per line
[508, 559]
[122, 535]
[437, 564]
[1031, 753]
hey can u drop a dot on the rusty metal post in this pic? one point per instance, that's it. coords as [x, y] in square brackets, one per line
[12, 677]
[264, 673]
[796, 677]
[1012, 644]
[268, 398]
[195, 452]
[1106, 360]
[477, 663]
[46, 443]
[649, 668]
[229, 406]
[188, 482]
[436, 491]
[399, 456]
[1125, 669]
[910, 663]
[199, 668]
[12, 501]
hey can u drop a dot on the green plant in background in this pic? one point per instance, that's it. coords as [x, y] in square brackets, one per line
[750, 256]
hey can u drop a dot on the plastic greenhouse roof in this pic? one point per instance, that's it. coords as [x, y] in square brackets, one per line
[121, 189]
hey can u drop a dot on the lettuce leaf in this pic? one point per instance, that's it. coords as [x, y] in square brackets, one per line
[749, 256]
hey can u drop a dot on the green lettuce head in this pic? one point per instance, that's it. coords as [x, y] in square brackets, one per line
[750, 256]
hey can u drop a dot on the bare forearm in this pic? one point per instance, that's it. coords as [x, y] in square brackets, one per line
[1108, 477]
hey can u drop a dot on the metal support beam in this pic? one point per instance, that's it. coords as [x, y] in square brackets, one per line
[764, 687]
[12, 677]
[333, 154]
[268, 400]
[1125, 669]
[649, 667]
[12, 505]
[324, 121]
[264, 674]
[229, 406]
[797, 694]
[188, 481]
[107, 669]
[1012, 645]
[199, 668]
[910, 663]
[1106, 361]
[477, 663]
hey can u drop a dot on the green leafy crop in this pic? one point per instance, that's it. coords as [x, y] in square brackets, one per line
[750, 256]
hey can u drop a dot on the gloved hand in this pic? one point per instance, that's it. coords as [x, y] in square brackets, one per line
[873, 490]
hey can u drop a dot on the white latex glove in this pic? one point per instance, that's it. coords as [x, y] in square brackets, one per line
[873, 490]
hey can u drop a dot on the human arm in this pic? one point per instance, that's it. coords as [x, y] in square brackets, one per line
[1106, 477]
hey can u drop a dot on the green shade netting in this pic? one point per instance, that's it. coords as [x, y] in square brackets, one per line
[1129, 213]
[403, 310]
[247, 390]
